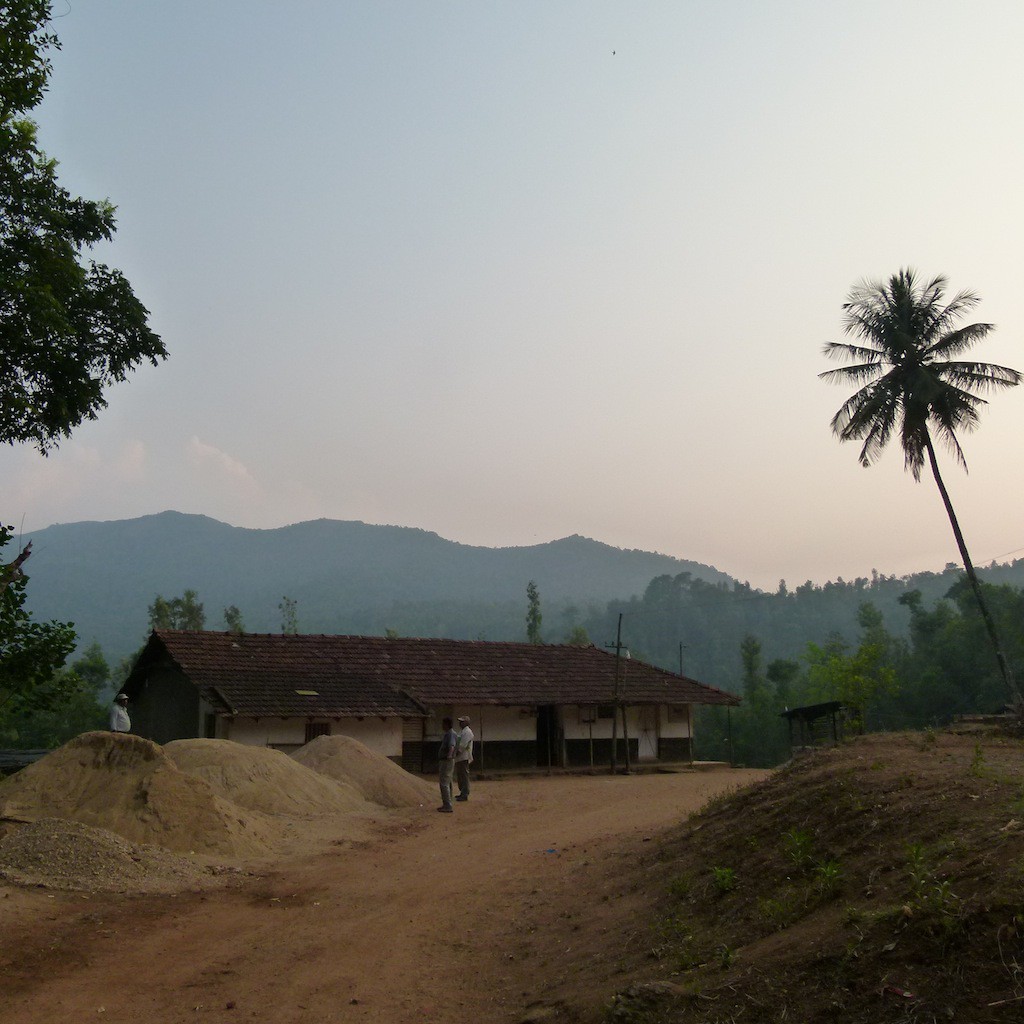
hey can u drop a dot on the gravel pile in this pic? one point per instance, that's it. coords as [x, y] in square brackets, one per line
[61, 854]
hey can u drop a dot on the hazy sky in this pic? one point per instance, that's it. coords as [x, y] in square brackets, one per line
[513, 271]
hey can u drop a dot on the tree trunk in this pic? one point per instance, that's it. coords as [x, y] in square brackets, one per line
[990, 626]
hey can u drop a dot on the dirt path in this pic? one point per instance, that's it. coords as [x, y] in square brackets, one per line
[515, 899]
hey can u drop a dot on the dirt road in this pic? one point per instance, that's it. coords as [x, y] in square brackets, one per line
[528, 895]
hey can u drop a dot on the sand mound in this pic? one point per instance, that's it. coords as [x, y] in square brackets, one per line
[374, 776]
[128, 785]
[263, 779]
[60, 854]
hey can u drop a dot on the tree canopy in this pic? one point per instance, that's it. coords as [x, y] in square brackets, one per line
[68, 327]
[909, 383]
[31, 653]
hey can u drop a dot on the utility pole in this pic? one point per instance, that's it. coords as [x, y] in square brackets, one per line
[615, 701]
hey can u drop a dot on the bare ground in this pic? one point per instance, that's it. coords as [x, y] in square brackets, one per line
[528, 903]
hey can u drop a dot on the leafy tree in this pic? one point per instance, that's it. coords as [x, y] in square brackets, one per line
[289, 615]
[31, 653]
[68, 329]
[909, 385]
[185, 612]
[533, 614]
[858, 679]
[578, 637]
[233, 619]
[784, 675]
[79, 709]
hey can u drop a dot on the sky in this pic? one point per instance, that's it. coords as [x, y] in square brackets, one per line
[513, 271]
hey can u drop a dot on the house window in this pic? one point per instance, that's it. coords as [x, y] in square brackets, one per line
[606, 711]
[678, 713]
[314, 729]
[587, 715]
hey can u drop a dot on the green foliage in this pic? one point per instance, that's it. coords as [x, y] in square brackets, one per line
[67, 329]
[31, 653]
[828, 876]
[578, 637]
[79, 709]
[233, 619]
[908, 386]
[185, 612]
[289, 615]
[796, 844]
[724, 879]
[533, 614]
[680, 886]
[857, 679]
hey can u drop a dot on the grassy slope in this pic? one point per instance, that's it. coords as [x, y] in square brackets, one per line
[880, 881]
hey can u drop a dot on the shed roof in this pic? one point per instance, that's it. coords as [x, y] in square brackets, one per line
[259, 674]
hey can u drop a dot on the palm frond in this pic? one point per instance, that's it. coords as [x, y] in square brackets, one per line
[953, 342]
[859, 374]
[978, 376]
[906, 383]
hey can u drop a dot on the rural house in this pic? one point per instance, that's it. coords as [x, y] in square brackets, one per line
[530, 704]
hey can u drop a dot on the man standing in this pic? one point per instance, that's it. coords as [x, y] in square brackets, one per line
[119, 720]
[463, 757]
[446, 764]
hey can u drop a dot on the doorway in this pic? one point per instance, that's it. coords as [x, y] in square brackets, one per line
[550, 737]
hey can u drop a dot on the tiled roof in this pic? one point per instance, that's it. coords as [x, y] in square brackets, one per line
[262, 674]
[266, 676]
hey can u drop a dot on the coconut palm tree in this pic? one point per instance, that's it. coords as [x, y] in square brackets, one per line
[910, 384]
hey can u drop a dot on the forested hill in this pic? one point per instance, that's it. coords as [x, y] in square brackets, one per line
[350, 577]
[345, 577]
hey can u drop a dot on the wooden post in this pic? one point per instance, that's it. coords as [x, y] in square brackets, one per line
[615, 699]
[625, 735]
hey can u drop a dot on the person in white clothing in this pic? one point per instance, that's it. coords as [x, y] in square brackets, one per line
[463, 757]
[119, 720]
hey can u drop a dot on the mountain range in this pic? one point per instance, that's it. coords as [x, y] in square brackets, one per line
[344, 577]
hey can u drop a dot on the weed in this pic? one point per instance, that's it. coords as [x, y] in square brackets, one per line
[797, 844]
[917, 869]
[680, 887]
[725, 879]
[829, 876]
[678, 946]
[726, 955]
[978, 761]
[779, 912]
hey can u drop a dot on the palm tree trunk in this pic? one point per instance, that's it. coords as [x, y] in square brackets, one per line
[990, 626]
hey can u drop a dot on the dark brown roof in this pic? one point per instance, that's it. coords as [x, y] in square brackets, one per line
[259, 674]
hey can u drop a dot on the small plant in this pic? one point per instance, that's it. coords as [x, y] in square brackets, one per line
[797, 844]
[726, 955]
[917, 869]
[978, 761]
[680, 887]
[725, 879]
[829, 876]
[778, 912]
[928, 738]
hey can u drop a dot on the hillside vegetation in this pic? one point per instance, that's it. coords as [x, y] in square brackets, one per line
[880, 881]
[345, 577]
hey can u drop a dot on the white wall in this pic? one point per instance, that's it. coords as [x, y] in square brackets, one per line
[382, 735]
[487, 722]
[674, 722]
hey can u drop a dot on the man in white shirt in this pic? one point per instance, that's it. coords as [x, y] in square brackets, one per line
[119, 720]
[463, 757]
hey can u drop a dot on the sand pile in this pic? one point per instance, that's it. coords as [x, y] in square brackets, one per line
[128, 785]
[263, 779]
[61, 854]
[373, 775]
